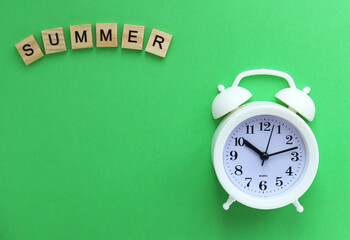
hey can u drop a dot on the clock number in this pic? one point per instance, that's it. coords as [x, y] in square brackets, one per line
[267, 126]
[239, 141]
[289, 139]
[262, 185]
[250, 129]
[289, 171]
[279, 129]
[238, 170]
[233, 155]
[279, 182]
[295, 157]
[249, 180]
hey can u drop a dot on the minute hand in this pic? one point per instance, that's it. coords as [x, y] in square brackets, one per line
[286, 150]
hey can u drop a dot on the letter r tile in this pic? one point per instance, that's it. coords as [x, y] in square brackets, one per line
[158, 43]
[54, 40]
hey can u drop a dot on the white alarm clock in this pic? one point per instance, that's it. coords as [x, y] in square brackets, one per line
[265, 155]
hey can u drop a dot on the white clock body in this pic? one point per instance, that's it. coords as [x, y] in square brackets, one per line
[276, 180]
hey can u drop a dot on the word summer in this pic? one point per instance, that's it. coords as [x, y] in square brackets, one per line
[81, 37]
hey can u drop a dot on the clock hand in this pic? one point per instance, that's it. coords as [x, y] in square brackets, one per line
[251, 146]
[268, 143]
[267, 147]
[286, 150]
[263, 155]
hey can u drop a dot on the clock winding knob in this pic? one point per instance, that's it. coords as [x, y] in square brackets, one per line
[307, 90]
[221, 88]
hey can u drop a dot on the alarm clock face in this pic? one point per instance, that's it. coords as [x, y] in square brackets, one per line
[264, 156]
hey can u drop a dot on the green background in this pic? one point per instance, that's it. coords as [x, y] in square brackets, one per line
[115, 143]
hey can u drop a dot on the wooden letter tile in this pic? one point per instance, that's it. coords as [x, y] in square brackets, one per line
[106, 34]
[81, 36]
[29, 50]
[133, 37]
[158, 43]
[54, 40]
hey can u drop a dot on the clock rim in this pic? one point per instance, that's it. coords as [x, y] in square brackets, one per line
[311, 158]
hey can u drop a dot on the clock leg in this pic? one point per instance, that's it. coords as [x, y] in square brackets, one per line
[228, 203]
[298, 206]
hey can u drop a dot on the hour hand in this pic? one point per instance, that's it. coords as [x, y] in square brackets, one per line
[251, 146]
